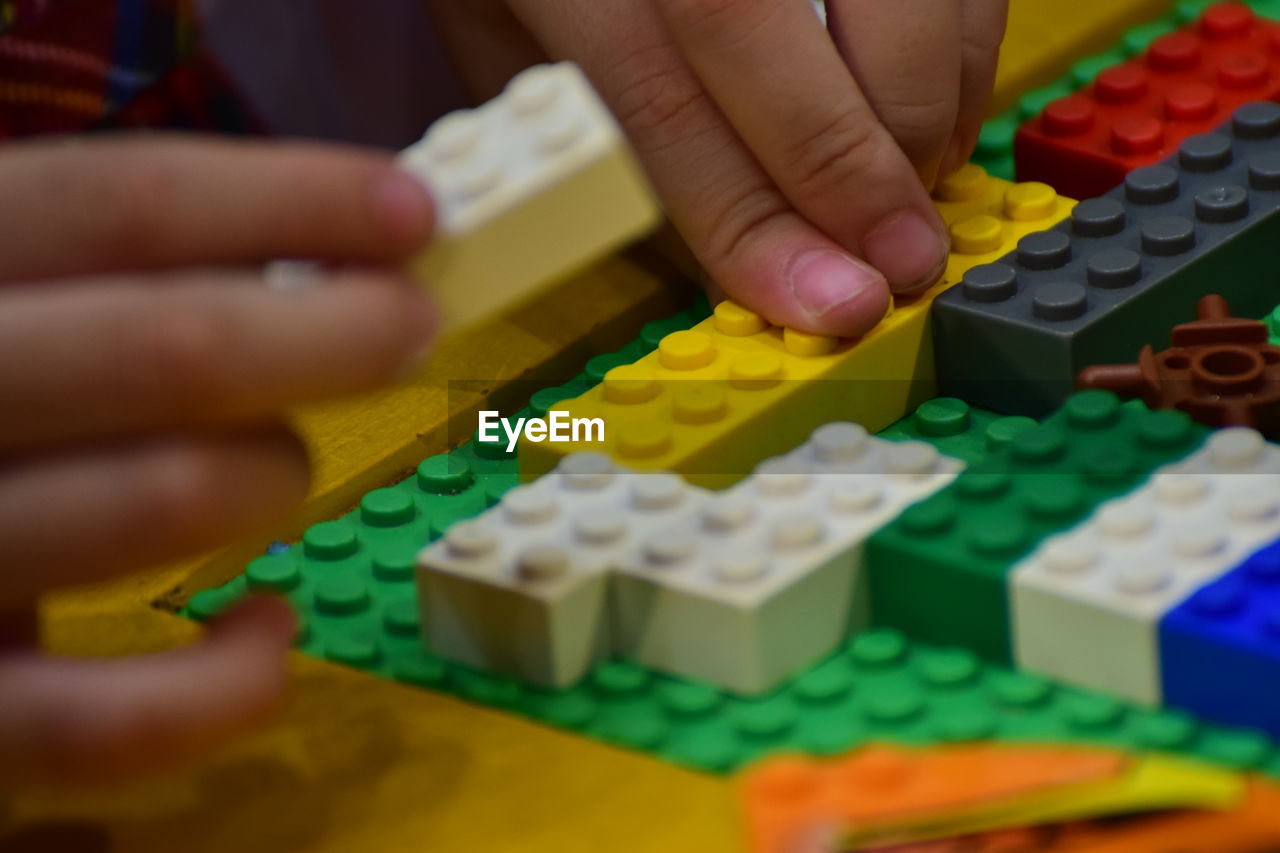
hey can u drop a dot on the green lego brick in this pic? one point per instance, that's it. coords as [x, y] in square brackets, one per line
[994, 151]
[938, 572]
[957, 429]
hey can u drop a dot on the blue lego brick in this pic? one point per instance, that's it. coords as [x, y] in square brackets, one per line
[1220, 649]
[1120, 273]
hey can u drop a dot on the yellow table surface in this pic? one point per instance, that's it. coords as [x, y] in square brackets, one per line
[355, 763]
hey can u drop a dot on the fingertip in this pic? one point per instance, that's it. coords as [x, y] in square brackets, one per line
[836, 293]
[270, 618]
[404, 208]
[910, 248]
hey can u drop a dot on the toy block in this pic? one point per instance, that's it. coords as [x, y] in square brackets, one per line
[957, 429]
[1220, 649]
[522, 589]
[1087, 604]
[713, 400]
[939, 571]
[1219, 369]
[1125, 269]
[766, 578]
[529, 188]
[1136, 113]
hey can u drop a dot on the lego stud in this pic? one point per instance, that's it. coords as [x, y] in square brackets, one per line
[1198, 542]
[1097, 217]
[629, 384]
[1142, 580]
[1069, 556]
[1264, 172]
[652, 492]
[1029, 201]
[1125, 520]
[669, 549]
[740, 567]
[970, 181]
[542, 563]
[838, 442]
[1121, 84]
[1256, 120]
[586, 471]
[807, 345]
[528, 505]
[1168, 235]
[686, 350]
[1240, 71]
[1204, 152]
[781, 477]
[1219, 601]
[733, 320]
[785, 780]
[976, 235]
[1192, 102]
[1059, 301]
[1222, 204]
[943, 416]
[1068, 116]
[1264, 566]
[1136, 135]
[1044, 250]
[1236, 447]
[755, 371]
[1179, 489]
[1112, 269]
[1226, 20]
[878, 769]
[453, 137]
[470, 539]
[699, 402]
[1151, 185]
[726, 513]
[854, 497]
[912, 459]
[989, 283]
[797, 531]
[534, 91]
[1176, 51]
[600, 526]
[643, 439]
[1253, 505]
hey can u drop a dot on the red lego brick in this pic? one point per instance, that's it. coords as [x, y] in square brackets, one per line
[1136, 113]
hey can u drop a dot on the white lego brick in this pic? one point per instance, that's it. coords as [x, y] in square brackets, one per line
[767, 577]
[529, 188]
[1087, 603]
[522, 588]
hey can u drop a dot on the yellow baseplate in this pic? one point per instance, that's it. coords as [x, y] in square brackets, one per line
[713, 401]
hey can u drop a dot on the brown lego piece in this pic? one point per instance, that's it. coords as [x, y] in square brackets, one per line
[1218, 369]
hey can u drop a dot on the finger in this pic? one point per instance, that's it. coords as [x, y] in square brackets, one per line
[71, 721]
[982, 24]
[906, 57]
[201, 348]
[812, 130]
[138, 504]
[746, 234]
[130, 204]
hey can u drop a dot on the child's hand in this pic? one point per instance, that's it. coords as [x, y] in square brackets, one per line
[784, 155]
[143, 369]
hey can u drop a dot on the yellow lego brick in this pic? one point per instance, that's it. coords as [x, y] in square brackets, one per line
[716, 399]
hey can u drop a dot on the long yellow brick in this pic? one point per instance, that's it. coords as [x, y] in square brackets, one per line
[716, 399]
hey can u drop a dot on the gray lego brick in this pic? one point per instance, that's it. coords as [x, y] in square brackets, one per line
[1121, 272]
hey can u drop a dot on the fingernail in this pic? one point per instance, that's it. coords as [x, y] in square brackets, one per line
[404, 205]
[823, 279]
[907, 250]
[421, 318]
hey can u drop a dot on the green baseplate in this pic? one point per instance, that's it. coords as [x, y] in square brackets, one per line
[995, 143]
[352, 582]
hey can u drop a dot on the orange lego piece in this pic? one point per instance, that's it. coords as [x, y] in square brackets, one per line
[790, 797]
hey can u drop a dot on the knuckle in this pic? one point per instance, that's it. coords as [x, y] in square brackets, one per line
[833, 154]
[918, 123]
[727, 22]
[742, 214]
[654, 100]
